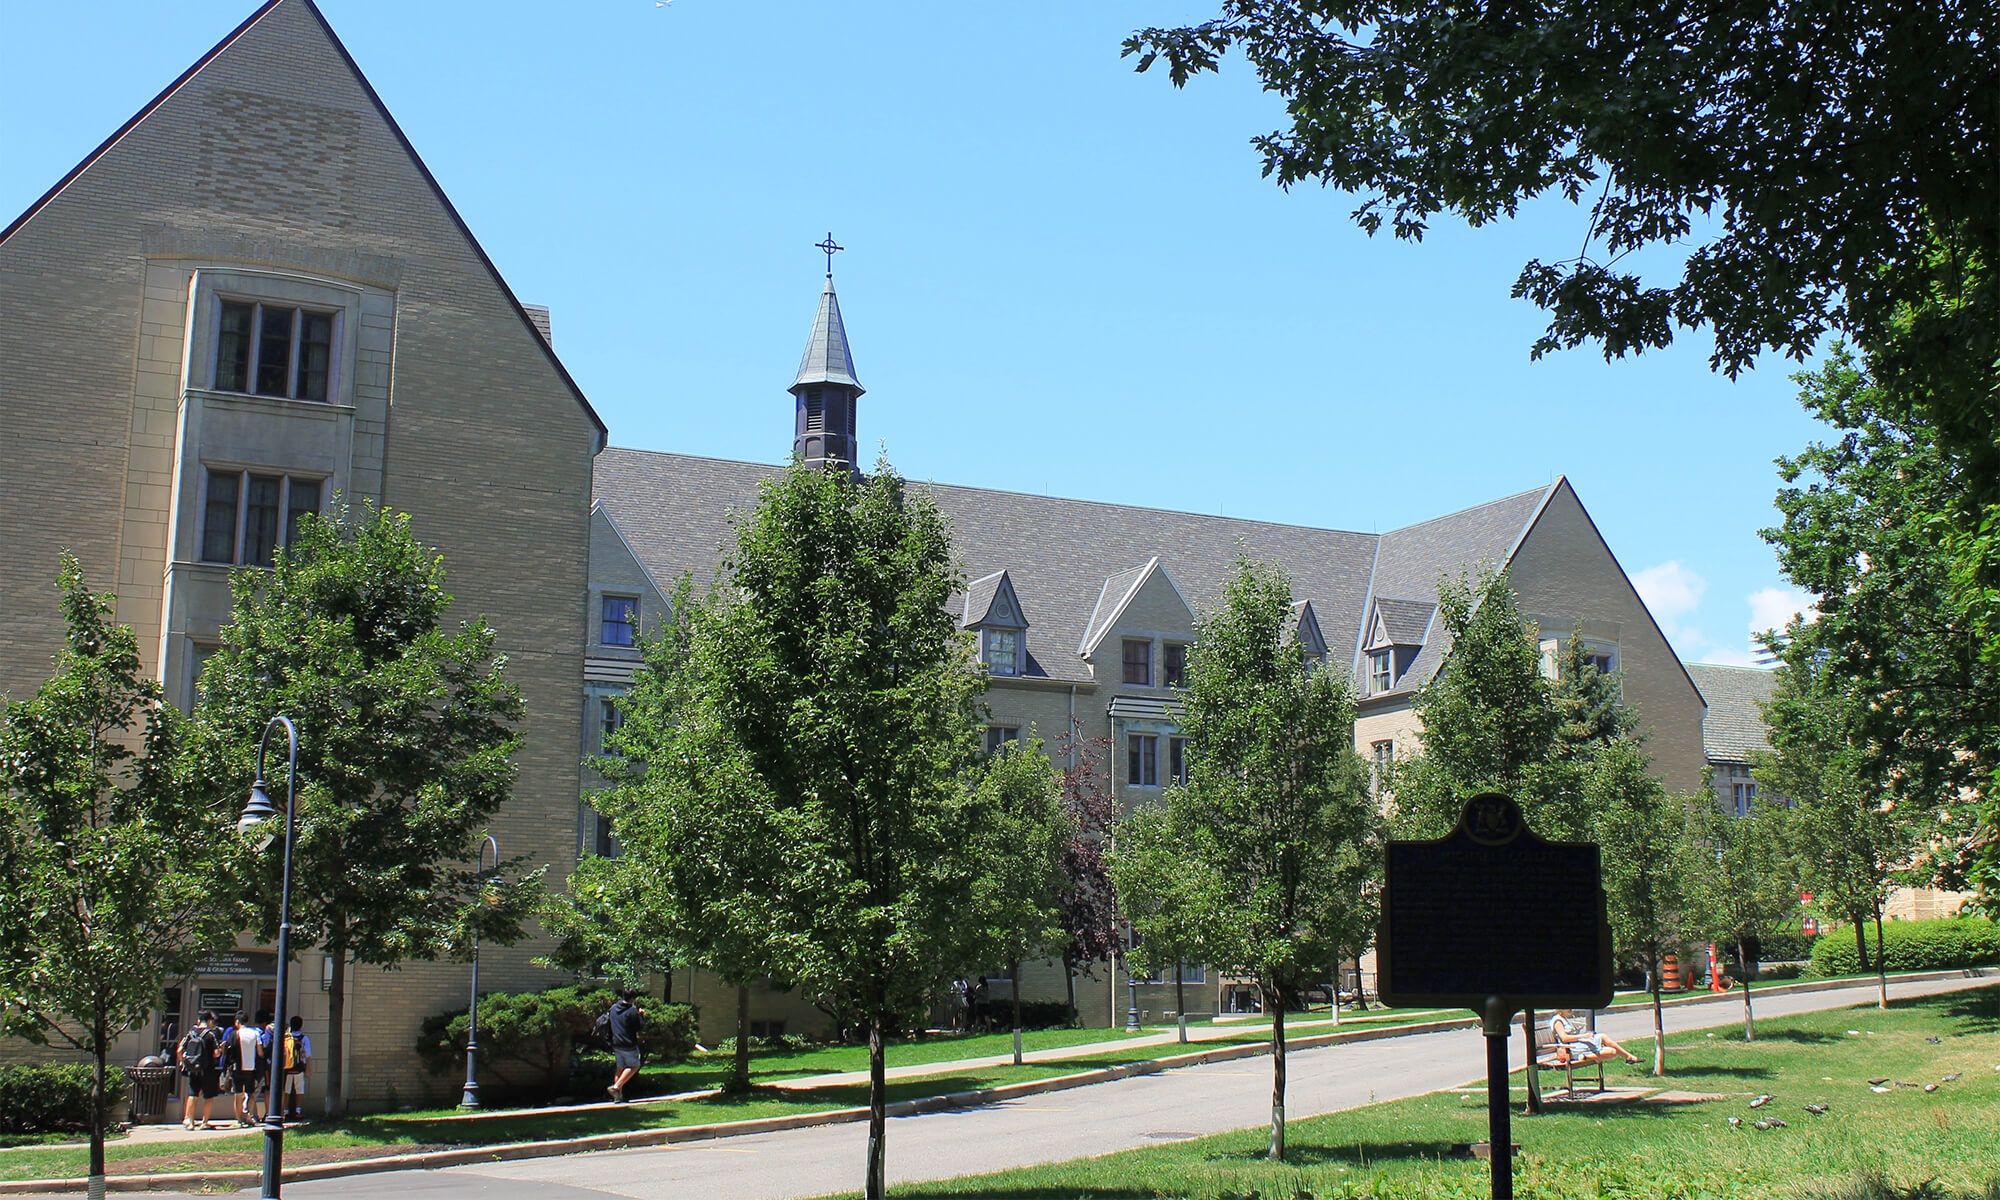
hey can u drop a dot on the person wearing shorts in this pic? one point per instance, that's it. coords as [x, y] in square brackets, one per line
[626, 1019]
[198, 1054]
[298, 1069]
[241, 1054]
[1583, 1042]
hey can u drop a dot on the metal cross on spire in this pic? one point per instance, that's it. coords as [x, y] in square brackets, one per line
[829, 246]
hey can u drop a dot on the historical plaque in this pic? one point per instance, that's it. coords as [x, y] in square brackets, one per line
[1492, 911]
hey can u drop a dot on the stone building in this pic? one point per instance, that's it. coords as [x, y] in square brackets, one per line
[1085, 611]
[253, 297]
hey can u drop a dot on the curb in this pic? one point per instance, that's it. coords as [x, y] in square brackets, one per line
[216, 1180]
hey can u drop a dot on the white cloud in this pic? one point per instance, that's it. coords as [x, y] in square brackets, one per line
[1672, 592]
[1776, 607]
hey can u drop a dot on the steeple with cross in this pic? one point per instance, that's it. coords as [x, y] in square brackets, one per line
[826, 389]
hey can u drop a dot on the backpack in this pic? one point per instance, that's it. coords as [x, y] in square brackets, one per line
[193, 1052]
[293, 1056]
[600, 1029]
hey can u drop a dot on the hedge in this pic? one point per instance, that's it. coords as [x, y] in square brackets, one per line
[526, 1039]
[53, 1098]
[1943, 945]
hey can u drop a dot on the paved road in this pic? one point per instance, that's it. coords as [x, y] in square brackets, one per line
[1060, 1125]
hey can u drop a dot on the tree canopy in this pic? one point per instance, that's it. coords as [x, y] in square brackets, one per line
[1815, 155]
[118, 864]
[1272, 848]
[405, 747]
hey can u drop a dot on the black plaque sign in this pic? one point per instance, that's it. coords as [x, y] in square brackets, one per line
[238, 962]
[1491, 911]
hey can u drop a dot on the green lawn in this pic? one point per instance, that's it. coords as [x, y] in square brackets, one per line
[1929, 1146]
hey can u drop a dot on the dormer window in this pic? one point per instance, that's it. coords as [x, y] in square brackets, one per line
[1002, 651]
[1381, 668]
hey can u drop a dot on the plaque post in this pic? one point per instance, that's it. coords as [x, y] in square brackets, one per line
[1499, 1105]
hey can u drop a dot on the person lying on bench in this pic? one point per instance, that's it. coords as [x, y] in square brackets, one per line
[1583, 1044]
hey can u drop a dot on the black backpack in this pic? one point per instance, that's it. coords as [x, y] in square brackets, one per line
[194, 1052]
[600, 1029]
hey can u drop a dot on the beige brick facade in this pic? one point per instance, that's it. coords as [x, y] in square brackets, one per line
[270, 174]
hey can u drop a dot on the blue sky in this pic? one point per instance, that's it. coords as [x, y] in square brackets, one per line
[1061, 276]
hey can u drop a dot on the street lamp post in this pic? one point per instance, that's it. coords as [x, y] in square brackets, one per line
[258, 811]
[1131, 982]
[470, 1098]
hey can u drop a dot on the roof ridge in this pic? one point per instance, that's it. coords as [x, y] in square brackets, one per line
[1470, 508]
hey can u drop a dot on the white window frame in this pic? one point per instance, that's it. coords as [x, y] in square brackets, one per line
[285, 480]
[988, 637]
[1381, 670]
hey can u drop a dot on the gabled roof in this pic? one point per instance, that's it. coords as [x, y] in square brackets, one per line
[675, 510]
[828, 358]
[1402, 622]
[1733, 728]
[1112, 598]
[1305, 627]
[416, 160]
[1412, 560]
[991, 601]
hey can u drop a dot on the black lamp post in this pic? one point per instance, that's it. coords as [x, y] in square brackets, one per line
[470, 1097]
[258, 811]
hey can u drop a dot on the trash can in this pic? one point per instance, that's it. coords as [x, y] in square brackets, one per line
[148, 1092]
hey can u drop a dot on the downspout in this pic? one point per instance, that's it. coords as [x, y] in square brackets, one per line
[1071, 729]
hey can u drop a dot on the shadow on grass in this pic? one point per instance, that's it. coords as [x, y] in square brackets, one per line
[1298, 1154]
[1686, 1073]
[1802, 1037]
[1977, 1012]
[1016, 1192]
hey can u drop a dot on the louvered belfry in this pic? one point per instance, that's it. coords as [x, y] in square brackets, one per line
[826, 390]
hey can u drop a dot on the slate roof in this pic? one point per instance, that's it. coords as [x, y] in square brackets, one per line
[979, 599]
[1111, 600]
[1405, 620]
[828, 358]
[1062, 556]
[1734, 728]
[1413, 558]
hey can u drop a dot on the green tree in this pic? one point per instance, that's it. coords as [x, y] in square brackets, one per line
[1744, 888]
[1819, 158]
[1487, 715]
[405, 747]
[1648, 858]
[1866, 530]
[117, 868]
[809, 794]
[1089, 901]
[1275, 821]
[1850, 839]
[1018, 896]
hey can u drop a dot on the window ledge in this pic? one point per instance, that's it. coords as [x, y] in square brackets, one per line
[327, 410]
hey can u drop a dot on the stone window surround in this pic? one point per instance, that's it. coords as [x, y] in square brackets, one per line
[243, 471]
[210, 286]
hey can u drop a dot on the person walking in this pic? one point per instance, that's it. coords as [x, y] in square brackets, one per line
[298, 1052]
[243, 1058]
[626, 1020]
[199, 1056]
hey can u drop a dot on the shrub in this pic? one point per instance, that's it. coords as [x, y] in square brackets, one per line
[1035, 1014]
[525, 1038]
[53, 1098]
[1785, 946]
[1949, 944]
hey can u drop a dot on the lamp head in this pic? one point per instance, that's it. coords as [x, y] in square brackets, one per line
[259, 810]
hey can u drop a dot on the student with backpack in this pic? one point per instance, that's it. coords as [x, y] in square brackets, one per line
[245, 1058]
[197, 1055]
[621, 1024]
[298, 1062]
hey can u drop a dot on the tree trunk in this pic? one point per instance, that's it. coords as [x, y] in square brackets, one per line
[1659, 1035]
[1860, 922]
[102, 1053]
[878, 1112]
[1743, 964]
[739, 1073]
[1069, 982]
[1014, 987]
[336, 1016]
[1881, 962]
[1275, 1001]
[1534, 1077]
[1180, 995]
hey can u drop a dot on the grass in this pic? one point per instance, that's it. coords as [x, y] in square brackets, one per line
[1905, 1143]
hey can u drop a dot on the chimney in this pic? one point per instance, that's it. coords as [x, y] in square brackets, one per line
[539, 314]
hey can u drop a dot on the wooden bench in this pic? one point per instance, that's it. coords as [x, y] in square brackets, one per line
[1547, 1054]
